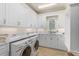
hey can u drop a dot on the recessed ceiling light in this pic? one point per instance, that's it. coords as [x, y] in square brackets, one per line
[46, 5]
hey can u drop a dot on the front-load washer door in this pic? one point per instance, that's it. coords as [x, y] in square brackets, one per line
[36, 46]
[27, 51]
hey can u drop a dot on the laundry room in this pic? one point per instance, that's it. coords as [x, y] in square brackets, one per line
[39, 29]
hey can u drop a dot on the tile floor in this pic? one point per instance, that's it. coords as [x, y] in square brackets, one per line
[42, 51]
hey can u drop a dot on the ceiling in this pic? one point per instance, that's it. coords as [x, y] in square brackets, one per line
[53, 8]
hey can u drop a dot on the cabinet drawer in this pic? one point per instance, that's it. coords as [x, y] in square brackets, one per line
[4, 46]
[4, 54]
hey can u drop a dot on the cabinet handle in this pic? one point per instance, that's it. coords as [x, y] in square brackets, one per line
[18, 23]
[4, 21]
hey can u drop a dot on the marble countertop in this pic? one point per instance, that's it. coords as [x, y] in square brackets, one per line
[52, 33]
[18, 37]
[10, 38]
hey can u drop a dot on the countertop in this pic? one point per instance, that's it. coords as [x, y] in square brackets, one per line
[19, 37]
[52, 33]
[11, 38]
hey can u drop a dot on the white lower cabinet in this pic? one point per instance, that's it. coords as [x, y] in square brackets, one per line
[52, 41]
[43, 40]
[4, 50]
[61, 42]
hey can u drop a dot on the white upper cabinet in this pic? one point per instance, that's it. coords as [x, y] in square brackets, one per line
[26, 16]
[1, 17]
[16, 14]
[23, 15]
[1, 14]
[31, 17]
[41, 21]
[11, 14]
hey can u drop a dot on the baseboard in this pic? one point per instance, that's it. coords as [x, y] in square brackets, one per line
[53, 48]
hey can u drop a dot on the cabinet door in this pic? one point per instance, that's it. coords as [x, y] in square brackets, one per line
[53, 41]
[61, 42]
[41, 22]
[33, 19]
[27, 16]
[11, 14]
[46, 40]
[21, 15]
[1, 14]
[41, 40]
[25, 22]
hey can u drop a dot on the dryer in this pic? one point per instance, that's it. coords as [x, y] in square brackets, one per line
[23, 47]
[34, 45]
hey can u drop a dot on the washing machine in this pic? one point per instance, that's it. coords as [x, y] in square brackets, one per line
[23, 47]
